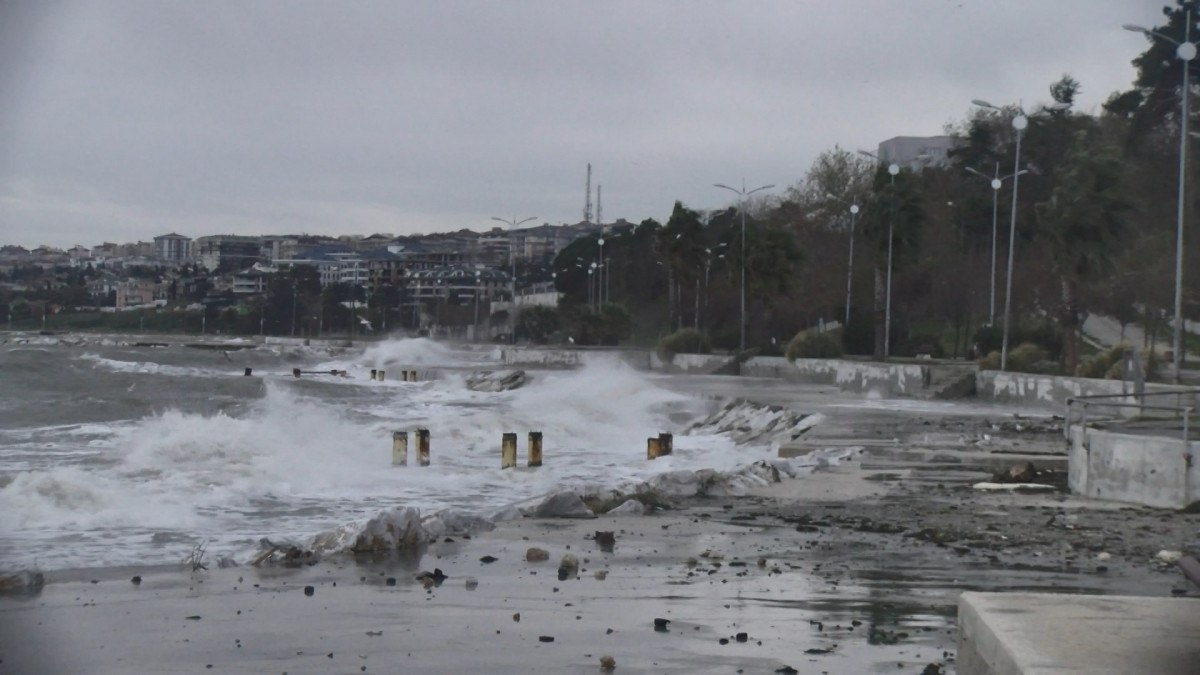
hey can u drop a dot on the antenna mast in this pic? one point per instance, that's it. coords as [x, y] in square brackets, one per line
[587, 204]
[599, 209]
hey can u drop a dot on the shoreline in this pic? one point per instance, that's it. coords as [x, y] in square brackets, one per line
[861, 564]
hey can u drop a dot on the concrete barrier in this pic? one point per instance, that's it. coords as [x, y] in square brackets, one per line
[707, 364]
[1011, 633]
[1054, 390]
[1157, 471]
[893, 379]
[548, 357]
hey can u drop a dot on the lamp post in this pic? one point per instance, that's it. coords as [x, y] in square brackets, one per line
[1019, 123]
[1185, 51]
[512, 256]
[742, 195]
[476, 324]
[893, 169]
[996, 181]
[600, 280]
[850, 263]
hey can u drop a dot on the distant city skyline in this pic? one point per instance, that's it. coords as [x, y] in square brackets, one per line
[126, 120]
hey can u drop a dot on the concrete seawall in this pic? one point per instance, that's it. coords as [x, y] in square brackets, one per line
[891, 379]
[1153, 471]
[1054, 390]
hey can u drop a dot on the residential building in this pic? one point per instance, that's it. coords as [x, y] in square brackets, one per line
[172, 248]
[916, 152]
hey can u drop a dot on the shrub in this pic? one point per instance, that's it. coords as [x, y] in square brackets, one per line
[1025, 358]
[1102, 363]
[683, 341]
[814, 346]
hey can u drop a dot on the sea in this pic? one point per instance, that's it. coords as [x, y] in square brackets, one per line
[115, 453]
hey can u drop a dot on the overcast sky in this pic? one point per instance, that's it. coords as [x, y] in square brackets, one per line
[123, 120]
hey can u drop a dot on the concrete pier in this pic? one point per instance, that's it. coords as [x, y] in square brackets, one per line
[1053, 633]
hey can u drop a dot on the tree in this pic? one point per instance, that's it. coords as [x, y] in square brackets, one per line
[537, 323]
[1083, 222]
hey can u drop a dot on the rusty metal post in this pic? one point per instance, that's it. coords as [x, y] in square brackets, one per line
[399, 448]
[422, 447]
[508, 451]
[667, 444]
[653, 448]
[535, 448]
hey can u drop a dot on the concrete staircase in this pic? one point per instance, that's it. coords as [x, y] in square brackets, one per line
[950, 381]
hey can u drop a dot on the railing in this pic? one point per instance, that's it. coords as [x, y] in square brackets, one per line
[1179, 410]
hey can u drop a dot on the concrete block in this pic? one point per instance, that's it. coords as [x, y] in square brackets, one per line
[1057, 634]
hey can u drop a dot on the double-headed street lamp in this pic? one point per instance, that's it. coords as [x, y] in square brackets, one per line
[1019, 123]
[1185, 51]
[893, 169]
[996, 182]
[512, 256]
[850, 263]
[742, 194]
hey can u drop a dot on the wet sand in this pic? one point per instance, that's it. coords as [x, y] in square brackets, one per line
[855, 569]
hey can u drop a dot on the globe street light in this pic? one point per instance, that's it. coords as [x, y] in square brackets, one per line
[742, 194]
[1019, 122]
[600, 281]
[893, 169]
[995, 182]
[1185, 51]
[476, 325]
[850, 263]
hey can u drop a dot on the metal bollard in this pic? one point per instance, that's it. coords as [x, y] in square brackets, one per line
[248, 372]
[422, 447]
[399, 448]
[653, 448]
[295, 372]
[666, 444]
[535, 448]
[508, 451]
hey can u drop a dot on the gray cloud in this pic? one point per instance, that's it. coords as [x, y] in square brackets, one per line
[129, 119]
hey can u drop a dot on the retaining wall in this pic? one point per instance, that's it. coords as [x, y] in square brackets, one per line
[1054, 390]
[534, 357]
[691, 363]
[893, 379]
[1149, 470]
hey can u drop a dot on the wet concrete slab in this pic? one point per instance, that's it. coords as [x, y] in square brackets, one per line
[726, 611]
[1056, 634]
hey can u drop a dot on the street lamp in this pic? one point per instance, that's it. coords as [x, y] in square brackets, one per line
[893, 169]
[1019, 123]
[512, 255]
[600, 280]
[742, 194]
[1185, 51]
[995, 181]
[476, 326]
[850, 264]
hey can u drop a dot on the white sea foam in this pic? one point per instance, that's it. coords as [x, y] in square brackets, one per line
[303, 459]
